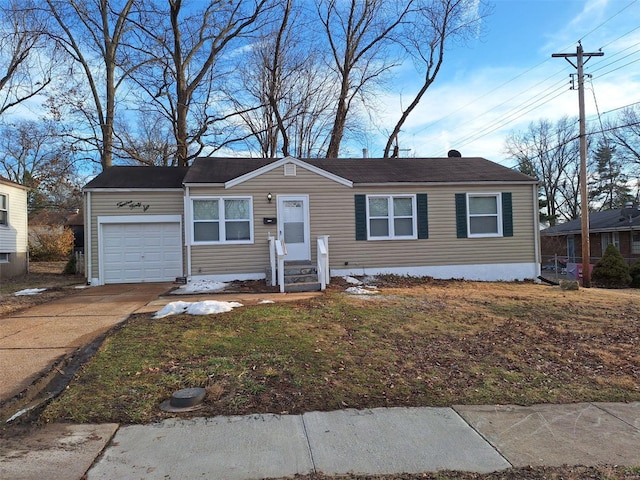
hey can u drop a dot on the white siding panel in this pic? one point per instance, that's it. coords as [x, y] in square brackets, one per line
[14, 237]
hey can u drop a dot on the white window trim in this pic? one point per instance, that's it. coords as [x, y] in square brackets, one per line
[6, 209]
[221, 221]
[498, 197]
[611, 237]
[635, 244]
[392, 236]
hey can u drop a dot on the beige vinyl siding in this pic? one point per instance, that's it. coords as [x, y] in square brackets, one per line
[331, 208]
[228, 259]
[107, 204]
[442, 247]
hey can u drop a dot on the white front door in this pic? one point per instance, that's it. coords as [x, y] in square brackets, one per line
[293, 226]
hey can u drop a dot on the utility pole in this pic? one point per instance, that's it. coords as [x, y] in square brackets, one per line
[584, 195]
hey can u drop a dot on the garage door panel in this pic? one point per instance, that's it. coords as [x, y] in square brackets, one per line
[141, 252]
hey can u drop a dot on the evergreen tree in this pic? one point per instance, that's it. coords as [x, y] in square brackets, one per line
[611, 271]
[609, 190]
[634, 271]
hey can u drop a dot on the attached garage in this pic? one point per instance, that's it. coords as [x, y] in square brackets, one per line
[140, 249]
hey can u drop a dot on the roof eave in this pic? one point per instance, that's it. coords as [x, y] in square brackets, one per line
[215, 185]
[133, 189]
[444, 184]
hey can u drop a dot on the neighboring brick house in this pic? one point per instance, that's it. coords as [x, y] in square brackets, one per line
[619, 226]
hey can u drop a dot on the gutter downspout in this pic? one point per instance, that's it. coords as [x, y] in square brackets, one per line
[87, 236]
[187, 230]
[536, 236]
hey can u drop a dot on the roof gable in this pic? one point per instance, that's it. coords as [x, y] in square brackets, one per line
[284, 161]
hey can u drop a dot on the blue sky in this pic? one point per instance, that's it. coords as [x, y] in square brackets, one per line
[507, 79]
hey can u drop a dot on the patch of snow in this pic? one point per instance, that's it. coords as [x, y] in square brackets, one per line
[266, 301]
[360, 291]
[206, 307]
[352, 280]
[29, 291]
[200, 286]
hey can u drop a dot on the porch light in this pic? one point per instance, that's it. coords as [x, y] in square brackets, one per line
[269, 197]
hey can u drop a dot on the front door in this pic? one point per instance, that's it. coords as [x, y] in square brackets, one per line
[293, 226]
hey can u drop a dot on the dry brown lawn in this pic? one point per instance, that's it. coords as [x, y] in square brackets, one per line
[41, 275]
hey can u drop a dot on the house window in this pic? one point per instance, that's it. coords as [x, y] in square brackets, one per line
[4, 210]
[4, 258]
[610, 237]
[391, 217]
[484, 215]
[635, 243]
[222, 220]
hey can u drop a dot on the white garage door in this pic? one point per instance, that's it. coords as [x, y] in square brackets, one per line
[141, 252]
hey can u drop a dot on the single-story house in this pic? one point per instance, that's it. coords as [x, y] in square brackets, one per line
[235, 218]
[13, 229]
[619, 226]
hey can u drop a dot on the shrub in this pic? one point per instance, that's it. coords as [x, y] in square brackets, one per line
[611, 271]
[50, 245]
[71, 268]
[634, 271]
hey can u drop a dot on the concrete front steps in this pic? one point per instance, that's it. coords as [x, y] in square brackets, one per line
[299, 276]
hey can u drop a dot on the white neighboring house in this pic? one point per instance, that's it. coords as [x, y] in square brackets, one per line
[13, 229]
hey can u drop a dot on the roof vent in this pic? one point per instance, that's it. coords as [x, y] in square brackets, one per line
[289, 169]
[454, 154]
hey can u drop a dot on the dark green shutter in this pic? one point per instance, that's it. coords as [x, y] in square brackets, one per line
[507, 215]
[361, 216]
[461, 215]
[423, 215]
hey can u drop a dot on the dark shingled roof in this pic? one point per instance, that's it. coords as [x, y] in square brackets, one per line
[139, 177]
[368, 170]
[606, 221]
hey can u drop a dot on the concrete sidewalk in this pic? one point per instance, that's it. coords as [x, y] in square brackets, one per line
[378, 441]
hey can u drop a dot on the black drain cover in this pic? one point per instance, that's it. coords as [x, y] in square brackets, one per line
[187, 397]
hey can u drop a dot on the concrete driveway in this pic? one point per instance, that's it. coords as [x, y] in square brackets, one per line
[34, 341]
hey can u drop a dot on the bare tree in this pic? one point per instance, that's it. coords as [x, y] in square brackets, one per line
[284, 76]
[34, 154]
[433, 25]
[551, 153]
[359, 34]
[624, 134]
[147, 141]
[25, 61]
[91, 32]
[184, 47]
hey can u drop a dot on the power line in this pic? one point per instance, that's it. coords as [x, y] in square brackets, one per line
[478, 134]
